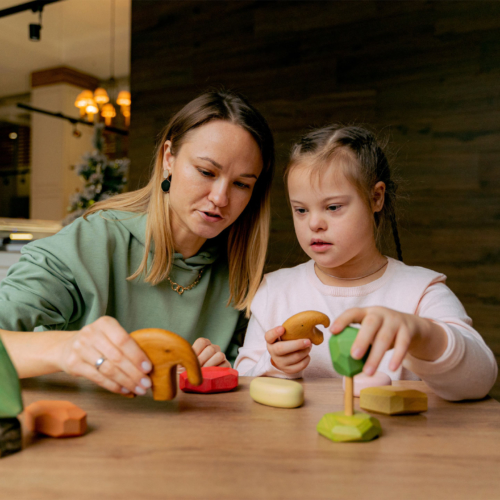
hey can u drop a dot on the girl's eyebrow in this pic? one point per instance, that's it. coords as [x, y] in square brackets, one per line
[339, 198]
[220, 167]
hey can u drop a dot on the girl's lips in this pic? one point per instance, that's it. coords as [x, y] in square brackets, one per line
[210, 218]
[320, 246]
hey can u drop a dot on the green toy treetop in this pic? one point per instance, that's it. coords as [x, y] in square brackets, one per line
[11, 403]
[340, 352]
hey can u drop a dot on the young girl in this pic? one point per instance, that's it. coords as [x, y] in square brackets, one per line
[342, 197]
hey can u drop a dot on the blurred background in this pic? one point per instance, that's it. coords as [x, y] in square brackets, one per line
[424, 74]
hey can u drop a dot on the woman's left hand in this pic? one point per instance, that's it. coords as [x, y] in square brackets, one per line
[384, 329]
[209, 354]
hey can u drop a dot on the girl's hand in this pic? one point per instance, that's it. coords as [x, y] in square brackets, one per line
[384, 329]
[125, 364]
[289, 356]
[209, 354]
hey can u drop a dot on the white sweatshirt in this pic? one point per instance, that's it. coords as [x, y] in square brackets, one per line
[466, 370]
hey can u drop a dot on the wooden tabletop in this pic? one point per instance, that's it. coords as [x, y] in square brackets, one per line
[226, 446]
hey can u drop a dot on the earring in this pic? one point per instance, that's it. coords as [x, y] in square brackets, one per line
[165, 185]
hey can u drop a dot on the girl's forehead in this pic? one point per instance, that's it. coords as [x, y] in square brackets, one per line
[304, 177]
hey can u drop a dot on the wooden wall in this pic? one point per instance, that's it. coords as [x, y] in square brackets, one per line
[425, 73]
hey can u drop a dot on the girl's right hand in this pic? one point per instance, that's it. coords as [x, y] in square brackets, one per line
[289, 356]
[125, 365]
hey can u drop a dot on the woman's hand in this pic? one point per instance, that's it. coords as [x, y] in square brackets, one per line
[384, 329]
[289, 356]
[209, 354]
[125, 364]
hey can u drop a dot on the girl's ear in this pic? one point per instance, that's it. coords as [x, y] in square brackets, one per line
[378, 196]
[168, 157]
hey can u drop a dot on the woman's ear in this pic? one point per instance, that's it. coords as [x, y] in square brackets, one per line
[378, 196]
[168, 157]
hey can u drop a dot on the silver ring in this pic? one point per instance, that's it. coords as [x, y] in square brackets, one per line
[99, 362]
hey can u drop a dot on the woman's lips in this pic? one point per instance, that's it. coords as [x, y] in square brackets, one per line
[210, 216]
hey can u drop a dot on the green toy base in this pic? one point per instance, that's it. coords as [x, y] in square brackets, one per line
[342, 428]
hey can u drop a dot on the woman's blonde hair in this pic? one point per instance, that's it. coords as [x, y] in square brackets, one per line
[247, 237]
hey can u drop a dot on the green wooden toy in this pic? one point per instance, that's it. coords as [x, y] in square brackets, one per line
[11, 404]
[348, 425]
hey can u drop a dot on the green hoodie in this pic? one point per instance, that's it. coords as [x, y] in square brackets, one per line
[71, 279]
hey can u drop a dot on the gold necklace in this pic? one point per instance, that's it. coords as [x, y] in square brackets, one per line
[181, 289]
[353, 279]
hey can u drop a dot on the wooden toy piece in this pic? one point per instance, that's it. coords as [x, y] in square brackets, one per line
[303, 326]
[343, 428]
[361, 381]
[393, 400]
[10, 436]
[215, 379]
[55, 419]
[277, 392]
[340, 352]
[11, 403]
[349, 397]
[166, 350]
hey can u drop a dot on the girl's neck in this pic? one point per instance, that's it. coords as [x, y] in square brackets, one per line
[357, 272]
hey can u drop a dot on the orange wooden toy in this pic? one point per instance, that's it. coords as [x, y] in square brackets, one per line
[166, 350]
[215, 379]
[55, 418]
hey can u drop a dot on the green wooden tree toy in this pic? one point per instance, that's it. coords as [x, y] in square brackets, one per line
[347, 425]
[11, 405]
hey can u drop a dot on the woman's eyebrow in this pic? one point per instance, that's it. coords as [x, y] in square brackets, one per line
[220, 167]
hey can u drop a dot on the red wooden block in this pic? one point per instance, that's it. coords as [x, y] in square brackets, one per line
[215, 379]
[55, 418]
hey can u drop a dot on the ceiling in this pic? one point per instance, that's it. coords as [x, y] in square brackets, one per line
[75, 33]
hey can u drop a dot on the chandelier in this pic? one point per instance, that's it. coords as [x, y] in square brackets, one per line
[98, 102]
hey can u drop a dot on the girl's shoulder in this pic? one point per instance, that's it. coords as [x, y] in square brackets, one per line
[286, 276]
[399, 272]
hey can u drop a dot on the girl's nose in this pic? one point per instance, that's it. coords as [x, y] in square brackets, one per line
[219, 193]
[317, 223]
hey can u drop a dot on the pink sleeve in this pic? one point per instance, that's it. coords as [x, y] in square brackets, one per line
[467, 369]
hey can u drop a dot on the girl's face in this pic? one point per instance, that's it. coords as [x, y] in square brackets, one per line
[333, 223]
[213, 176]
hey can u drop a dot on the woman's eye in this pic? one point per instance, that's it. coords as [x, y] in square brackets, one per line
[205, 173]
[333, 208]
[242, 185]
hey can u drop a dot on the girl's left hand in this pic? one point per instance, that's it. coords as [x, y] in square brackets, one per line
[384, 329]
[209, 354]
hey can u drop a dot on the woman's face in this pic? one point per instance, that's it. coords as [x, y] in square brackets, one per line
[213, 176]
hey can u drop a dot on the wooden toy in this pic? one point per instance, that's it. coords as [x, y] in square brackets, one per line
[215, 379]
[11, 404]
[55, 419]
[347, 425]
[362, 381]
[303, 326]
[166, 350]
[393, 400]
[277, 392]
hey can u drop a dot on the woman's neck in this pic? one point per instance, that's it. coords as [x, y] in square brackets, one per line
[185, 242]
[357, 272]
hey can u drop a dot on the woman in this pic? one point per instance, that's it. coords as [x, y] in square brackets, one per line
[185, 253]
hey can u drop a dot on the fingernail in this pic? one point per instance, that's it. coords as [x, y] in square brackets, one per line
[307, 342]
[369, 370]
[124, 390]
[146, 382]
[146, 366]
[356, 354]
[140, 391]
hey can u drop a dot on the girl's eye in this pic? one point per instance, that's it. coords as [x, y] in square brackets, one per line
[300, 210]
[242, 185]
[333, 208]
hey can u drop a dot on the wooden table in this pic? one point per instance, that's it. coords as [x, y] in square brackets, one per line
[225, 446]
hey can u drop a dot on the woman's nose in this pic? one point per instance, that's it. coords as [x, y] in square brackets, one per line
[219, 193]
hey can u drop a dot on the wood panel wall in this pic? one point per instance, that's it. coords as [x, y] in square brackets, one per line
[424, 73]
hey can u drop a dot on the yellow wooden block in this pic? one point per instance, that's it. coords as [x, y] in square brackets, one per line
[276, 392]
[392, 400]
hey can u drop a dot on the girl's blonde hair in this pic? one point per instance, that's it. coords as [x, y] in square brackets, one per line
[247, 237]
[357, 153]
